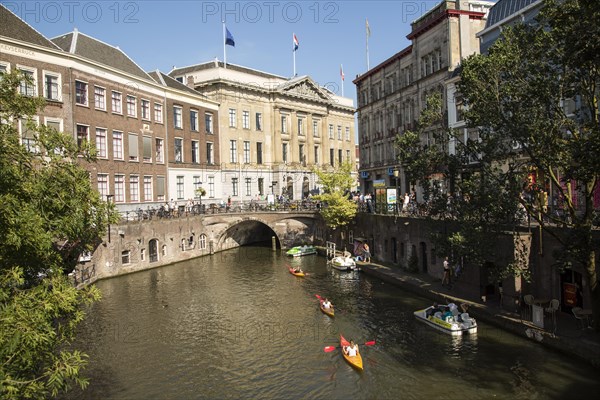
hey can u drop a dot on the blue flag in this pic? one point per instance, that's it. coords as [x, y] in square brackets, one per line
[229, 38]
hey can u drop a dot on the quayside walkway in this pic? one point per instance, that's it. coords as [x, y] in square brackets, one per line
[570, 336]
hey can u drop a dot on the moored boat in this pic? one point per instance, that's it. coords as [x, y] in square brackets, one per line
[300, 274]
[355, 361]
[301, 251]
[343, 263]
[447, 318]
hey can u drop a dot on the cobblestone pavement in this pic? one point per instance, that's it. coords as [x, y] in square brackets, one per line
[567, 337]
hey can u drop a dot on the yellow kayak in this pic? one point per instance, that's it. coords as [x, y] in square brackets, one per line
[355, 361]
[300, 274]
[327, 311]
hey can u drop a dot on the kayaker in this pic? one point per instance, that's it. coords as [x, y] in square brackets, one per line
[326, 304]
[297, 269]
[351, 350]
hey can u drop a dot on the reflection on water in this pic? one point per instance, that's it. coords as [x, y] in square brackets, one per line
[239, 325]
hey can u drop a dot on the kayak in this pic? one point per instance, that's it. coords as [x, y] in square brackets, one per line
[327, 311]
[300, 274]
[355, 361]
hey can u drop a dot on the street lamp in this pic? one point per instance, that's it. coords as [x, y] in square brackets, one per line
[108, 197]
[396, 175]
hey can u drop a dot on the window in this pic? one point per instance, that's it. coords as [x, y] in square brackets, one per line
[246, 152]
[177, 117]
[52, 86]
[208, 121]
[233, 151]
[81, 96]
[315, 128]
[258, 121]
[195, 152]
[142, 254]
[209, 154]
[99, 98]
[131, 106]
[246, 119]
[348, 133]
[125, 257]
[194, 120]
[3, 69]
[259, 153]
[28, 86]
[211, 186]
[145, 106]
[330, 131]
[158, 113]
[117, 145]
[331, 157]
[117, 103]
[178, 150]
[101, 143]
[339, 131]
[340, 160]
[103, 186]
[300, 127]
[119, 188]
[283, 124]
[232, 118]
[317, 155]
[197, 185]
[83, 136]
[234, 186]
[133, 147]
[159, 150]
[147, 142]
[28, 137]
[284, 151]
[248, 182]
[301, 153]
[134, 188]
[147, 188]
[261, 186]
[348, 155]
[202, 241]
[180, 186]
[160, 188]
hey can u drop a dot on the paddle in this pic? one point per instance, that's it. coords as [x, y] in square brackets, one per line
[329, 349]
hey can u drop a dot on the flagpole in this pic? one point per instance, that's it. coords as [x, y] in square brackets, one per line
[224, 47]
[342, 78]
[294, 52]
[368, 32]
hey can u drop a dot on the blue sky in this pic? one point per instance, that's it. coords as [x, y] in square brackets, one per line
[163, 34]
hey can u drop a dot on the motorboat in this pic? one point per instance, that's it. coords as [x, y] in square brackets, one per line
[447, 318]
[343, 263]
[301, 251]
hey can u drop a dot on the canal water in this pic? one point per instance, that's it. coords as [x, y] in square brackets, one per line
[238, 325]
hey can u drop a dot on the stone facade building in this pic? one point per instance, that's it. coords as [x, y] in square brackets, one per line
[392, 94]
[273, 129]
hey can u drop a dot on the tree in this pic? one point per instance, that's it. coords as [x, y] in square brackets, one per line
[338, 210]
[533, 102]
[49, 215]
[200, 192]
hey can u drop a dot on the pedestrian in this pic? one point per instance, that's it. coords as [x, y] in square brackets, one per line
[446, 279]
[366, 253]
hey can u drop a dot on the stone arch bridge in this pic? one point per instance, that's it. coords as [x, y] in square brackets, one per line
[138, 245]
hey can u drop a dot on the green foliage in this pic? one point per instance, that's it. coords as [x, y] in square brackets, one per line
[337, 210]
[35, 322]
[49, 215]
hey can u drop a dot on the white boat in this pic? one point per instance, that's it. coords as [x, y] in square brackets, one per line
[447, 318]
[343, 263]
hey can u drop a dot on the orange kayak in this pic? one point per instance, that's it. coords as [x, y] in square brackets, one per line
[300, 274]
[355, 361]
[327, 311]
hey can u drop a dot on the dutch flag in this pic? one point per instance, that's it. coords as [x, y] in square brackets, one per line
[295, 40]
